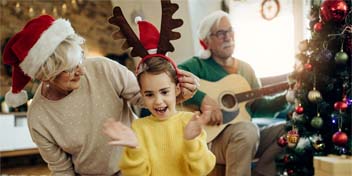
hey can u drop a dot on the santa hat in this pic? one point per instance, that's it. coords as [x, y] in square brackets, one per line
[28, 50]
[204, 29]
[149, 37]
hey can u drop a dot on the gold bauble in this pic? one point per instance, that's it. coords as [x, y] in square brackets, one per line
[314, 96]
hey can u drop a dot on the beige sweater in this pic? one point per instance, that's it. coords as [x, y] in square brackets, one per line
[68, 132]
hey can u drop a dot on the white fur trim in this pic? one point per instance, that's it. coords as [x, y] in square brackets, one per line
[204, 54]
[45, 46]
[137, 19]
[15, 100]
[152, 51]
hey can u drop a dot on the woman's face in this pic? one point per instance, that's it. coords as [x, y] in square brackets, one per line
[159, 94]
[69, 80]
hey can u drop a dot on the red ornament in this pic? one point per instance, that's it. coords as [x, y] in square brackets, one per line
[335, 10]
[318, 26]
[340, 105]
[308, 66]
[282, 142]
[286, 159]
[340, 138]
[290, 172]
[299, 109]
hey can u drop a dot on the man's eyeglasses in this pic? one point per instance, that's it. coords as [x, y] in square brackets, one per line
[222, 34]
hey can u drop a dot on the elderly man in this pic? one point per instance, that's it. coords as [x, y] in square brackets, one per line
[238, 143]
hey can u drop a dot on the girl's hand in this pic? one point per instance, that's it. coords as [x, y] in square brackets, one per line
[195, 125]
[121, 134]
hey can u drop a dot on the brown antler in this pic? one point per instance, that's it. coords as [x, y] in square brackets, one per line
[126, 33]
[167, 25]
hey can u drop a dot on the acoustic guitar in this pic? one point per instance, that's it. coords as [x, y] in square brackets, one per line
[232, 93]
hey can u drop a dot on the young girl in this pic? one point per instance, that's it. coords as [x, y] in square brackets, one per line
[167, 142]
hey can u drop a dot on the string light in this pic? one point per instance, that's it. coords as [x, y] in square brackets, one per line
[18, 7]
[43, 12]
[31, 12]
[56, 10]
[64, 8]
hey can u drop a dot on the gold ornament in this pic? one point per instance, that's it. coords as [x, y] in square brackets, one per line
[303, 45]
[292, 138]
[314, 96]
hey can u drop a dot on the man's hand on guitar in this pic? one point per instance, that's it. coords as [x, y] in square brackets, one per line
[216, 114]
[195, 125]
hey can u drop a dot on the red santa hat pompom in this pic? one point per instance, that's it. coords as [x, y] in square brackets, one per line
[28, 50]
[204, 29]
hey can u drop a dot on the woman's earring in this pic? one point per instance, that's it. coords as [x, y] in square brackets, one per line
[47, 85]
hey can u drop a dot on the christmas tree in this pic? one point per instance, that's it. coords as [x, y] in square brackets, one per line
[320, 123]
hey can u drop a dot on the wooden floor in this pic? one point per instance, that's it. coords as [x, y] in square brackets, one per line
[40, 169]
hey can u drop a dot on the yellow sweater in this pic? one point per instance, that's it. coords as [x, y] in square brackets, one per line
[164, 151]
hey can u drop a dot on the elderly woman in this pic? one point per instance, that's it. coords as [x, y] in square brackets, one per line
[75, 97]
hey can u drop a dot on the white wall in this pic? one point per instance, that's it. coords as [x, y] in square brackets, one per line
[198, 10]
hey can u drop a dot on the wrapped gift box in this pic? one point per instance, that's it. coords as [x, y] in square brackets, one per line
[332, 165]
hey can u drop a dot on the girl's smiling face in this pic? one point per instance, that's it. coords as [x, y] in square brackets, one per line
[159, 94]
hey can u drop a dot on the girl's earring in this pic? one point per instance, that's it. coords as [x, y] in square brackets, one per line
[47, 85]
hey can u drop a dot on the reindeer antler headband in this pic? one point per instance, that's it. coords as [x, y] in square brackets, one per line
[129, 39]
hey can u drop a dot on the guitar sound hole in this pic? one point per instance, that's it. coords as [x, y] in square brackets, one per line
[228, 101]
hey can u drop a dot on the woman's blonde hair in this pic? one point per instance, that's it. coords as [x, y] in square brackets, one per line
[67, 55]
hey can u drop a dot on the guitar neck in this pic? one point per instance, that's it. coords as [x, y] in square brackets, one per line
[256, 93]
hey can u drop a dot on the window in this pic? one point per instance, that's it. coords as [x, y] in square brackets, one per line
[268, 46]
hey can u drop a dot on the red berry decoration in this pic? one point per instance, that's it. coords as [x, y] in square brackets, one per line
[340, 138]
[318, 26]
[290, 172]
[282, 141]
[308, 66]
[286, 159]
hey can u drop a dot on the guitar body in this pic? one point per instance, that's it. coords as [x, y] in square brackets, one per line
[220, 90]
[232, 93]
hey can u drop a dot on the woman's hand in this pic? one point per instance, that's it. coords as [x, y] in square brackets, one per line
[195, 125]
[188, 84]
[121, 134]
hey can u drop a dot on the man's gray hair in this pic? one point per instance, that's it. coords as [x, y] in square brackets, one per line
[208, 22]
[204, 30]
